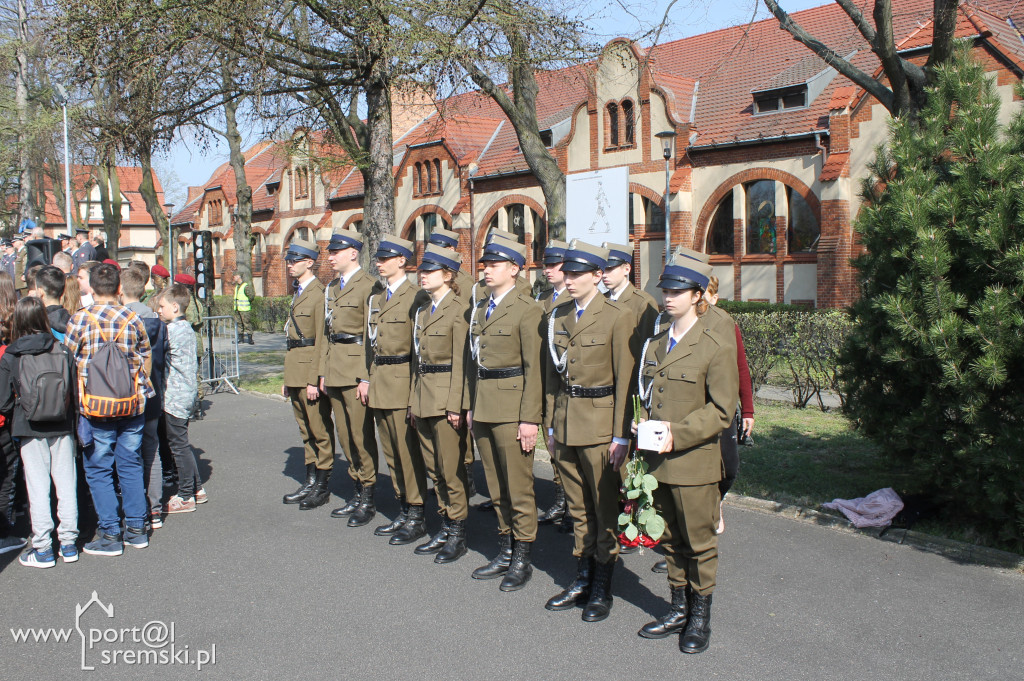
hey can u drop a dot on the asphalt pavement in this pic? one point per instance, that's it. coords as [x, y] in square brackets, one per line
[281, 593]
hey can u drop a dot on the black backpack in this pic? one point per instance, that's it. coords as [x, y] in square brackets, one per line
[45, 385]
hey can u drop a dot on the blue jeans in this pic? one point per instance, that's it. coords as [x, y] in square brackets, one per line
[117, 442]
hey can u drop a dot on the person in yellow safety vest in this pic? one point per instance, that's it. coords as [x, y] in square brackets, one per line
[242, 307]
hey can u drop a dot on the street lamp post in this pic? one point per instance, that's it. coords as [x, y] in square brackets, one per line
[169, 207]
[62, 96]
[667, 138]
[472, 171]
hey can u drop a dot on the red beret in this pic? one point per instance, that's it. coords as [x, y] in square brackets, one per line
[186, 279]
[160, 271]
[111, 261]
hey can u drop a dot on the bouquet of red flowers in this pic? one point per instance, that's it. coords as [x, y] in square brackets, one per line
[639, 522]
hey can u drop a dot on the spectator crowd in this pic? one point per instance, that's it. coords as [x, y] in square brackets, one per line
[98, 383]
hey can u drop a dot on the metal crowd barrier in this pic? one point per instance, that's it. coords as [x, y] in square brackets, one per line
[219, 362]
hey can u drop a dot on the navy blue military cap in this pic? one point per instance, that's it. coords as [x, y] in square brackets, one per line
[392, 247]
[299, 249]
[444, 237]
[554, 252]
[345, 238]
[618, 254]
[685, 273]
[582, 257]
[503, 249]
[435, 257]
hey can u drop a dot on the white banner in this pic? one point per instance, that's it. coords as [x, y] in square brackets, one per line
[597, 206]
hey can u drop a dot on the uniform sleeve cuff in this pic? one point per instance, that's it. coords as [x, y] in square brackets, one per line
[620, 441]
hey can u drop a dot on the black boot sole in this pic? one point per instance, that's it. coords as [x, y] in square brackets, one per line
[596, 617]
[404, 541]
[694, 651]
[445, 560]
[342, 512]
[355, 522]
[561, 608]
[486, 577]
[428, 552]
[307, 505]
[296, 500]
[516, 587]
[648, 635]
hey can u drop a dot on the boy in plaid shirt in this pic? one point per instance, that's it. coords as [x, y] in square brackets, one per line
[115, 440]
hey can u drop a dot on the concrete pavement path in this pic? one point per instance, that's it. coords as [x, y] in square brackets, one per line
[283, 593]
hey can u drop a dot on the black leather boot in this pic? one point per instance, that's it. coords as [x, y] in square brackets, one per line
[499, 564]
[697, 636]
[519, 570]
[661, 567]
[321, 492]
[671, 622]
[600, 603]
[455, 544]
[576, 593]
[394, 525]
[366, 509]
[554, 513]
[435, 543]
[350, 505]
[305, 488]
[412, 529]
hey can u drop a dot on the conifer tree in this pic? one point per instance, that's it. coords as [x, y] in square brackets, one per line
[935, 364]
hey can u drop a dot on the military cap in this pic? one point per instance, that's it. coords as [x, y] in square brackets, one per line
[502, 234]
[299, 249]
[554, 251]
[618, 254]
[503, 249]
[392, 247]
[186, 279]
[160, 271]
[583, 257]
[685, 273]
[345, 238]
[691, 254]
[435, 257]
[443, 237]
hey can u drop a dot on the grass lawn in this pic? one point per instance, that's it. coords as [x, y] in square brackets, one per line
[270, 385]
[273, 357]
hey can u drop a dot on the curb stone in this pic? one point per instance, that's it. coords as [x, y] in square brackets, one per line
[950, 548]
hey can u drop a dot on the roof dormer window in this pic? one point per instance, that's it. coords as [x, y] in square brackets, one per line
[785, 99]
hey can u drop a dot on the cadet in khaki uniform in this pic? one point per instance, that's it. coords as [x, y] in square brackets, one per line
[590, 367]
[344, 367]
[439, 399]
[305, 332]
[554, 253]
[620, 289]
[446, 238]
[389, 332]
[690, 385]
[506, 389]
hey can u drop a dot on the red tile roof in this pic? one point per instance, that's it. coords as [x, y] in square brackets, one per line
[836, 166]
[129, 177]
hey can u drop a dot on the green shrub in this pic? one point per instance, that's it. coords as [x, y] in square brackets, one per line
[267, 314]
[935, 363]
[735, 307]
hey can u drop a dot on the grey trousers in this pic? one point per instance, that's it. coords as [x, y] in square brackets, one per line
[45, 459]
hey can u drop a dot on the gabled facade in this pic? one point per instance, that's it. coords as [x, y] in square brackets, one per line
[770, 144]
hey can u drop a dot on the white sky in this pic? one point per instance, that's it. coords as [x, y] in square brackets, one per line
[189, 164]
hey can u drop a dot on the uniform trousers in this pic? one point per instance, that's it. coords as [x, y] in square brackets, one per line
[691, 546]
[402, 452]
[730, 456]
[509, 473]
[438, 437]
[592, 494]
[314, 419]
[355, 433]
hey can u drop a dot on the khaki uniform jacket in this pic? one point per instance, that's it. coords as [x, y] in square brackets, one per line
[721, 322]
[645, 311]
[442, 338]
[510, 338]
[302, 365]
[391, 321]
[20, 258]
[546, 299]
[695, 388]
[464, 280]
[597, 353]
[343, 365]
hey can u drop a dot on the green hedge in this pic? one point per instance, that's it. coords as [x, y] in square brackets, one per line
[807, 342]
[735, 307]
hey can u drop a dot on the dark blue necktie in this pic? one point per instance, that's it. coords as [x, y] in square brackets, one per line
[490, 308]
[389, 295]
[433, 308]
[671, 343]
[341, 283]
[579, 312]
[554, 296]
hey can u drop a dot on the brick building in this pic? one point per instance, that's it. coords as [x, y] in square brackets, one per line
[770, 145]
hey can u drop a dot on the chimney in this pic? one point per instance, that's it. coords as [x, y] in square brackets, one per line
[410, 103]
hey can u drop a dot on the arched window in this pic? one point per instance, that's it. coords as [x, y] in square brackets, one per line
[430, 179]
[803, 232]
[516, 222]
[357, 225]
[613, 124]
[427, 223]
[627, 115]
[300, 233]
[417, 179]
[654, 216]
[540, 235]
[720, 236]
[761, 217]
[437, 171]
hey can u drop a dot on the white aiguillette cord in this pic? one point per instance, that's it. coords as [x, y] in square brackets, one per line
[645, 392]
[559, 361]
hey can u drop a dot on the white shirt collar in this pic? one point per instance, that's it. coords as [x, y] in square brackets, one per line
[394, 287]
[351, 274]
[497, 299]
[302, 287]
[677, 339]
[440, 300]
[622, 289]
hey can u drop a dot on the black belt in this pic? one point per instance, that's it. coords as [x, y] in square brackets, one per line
[301, 343]
[434, 368]
[392, 359]
[600, 391]
[499, 373]
[345, 338]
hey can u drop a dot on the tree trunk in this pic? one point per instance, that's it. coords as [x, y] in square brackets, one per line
[243, 192]
[148, 190]
[110, 202]
[378, 173]
[26, 203]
